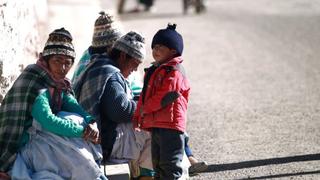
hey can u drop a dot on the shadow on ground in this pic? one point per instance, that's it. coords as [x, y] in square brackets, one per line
[283, 175]
[264, 162]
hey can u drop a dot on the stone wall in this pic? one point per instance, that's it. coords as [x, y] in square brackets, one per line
[21, 22]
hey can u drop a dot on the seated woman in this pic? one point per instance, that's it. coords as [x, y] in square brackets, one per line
[44, 133]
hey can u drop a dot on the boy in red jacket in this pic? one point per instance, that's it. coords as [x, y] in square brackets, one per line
[162, 106]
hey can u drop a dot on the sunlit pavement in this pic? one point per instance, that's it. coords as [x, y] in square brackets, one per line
[254, 69]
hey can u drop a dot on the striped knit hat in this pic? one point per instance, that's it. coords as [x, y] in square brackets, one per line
[105, 34]
[59, 43]
[132, 44]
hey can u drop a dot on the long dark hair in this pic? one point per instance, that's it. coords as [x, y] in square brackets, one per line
[115, 54]
[98, 50]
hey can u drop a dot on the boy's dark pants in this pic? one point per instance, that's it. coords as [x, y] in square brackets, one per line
[167, 152]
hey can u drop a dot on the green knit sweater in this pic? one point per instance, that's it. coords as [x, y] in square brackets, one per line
[42, 113]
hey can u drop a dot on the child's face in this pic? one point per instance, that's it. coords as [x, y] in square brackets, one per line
[162, 53]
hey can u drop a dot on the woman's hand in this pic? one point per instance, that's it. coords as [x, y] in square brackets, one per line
[91, 133]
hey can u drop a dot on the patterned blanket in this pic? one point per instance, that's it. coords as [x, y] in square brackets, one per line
[91, 83]
[15, 111]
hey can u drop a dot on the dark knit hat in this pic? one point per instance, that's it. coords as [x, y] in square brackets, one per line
[59, 43]
[169, 37]
[132, 44]
[105, 33]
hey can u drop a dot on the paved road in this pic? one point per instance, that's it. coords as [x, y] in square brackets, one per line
[255, 71]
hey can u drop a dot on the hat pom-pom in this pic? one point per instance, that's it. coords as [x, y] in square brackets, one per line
[102, 13]
[172, 26]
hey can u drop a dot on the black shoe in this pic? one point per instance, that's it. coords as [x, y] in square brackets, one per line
[197, 168]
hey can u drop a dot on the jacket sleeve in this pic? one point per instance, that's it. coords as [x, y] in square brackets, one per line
[115, 102]
[165, 94]
[70, 104]
[42, 113]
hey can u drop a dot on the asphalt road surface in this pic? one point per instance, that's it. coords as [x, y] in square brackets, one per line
[254, 69]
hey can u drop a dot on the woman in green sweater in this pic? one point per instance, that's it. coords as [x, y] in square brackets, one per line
[44, 132]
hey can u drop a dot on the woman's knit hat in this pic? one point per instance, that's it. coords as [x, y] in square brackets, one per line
[169, 37]
[105, 33]
[59, 43]
[132, 44]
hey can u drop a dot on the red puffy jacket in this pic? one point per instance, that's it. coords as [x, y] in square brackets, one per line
[163, 104]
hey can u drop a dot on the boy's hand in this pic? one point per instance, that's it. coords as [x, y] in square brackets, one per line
[137, 129]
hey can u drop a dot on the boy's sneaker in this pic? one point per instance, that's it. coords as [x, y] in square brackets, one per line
[197, 167]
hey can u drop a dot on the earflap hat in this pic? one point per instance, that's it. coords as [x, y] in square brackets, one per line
[132, 44]
[59, 43]
[105, 33]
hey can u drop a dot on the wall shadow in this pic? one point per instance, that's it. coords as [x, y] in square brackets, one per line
[262, 162]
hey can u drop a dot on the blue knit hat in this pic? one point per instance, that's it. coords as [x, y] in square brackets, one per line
[169, 37]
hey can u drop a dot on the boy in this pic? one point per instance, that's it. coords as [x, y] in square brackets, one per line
[162, 105]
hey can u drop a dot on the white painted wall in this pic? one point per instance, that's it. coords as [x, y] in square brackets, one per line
[20, 24]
